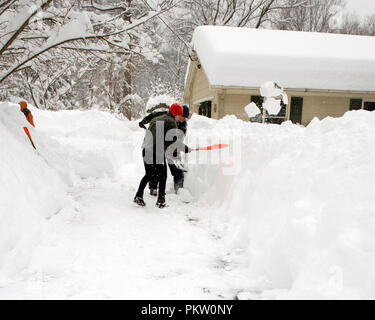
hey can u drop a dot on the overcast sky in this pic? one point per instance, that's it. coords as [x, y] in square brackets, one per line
[361, 7]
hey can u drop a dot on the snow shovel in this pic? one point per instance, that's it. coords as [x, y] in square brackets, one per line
[213, 147]
[28, 134]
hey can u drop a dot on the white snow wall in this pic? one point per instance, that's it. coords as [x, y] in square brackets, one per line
[31, 191]
[303, 205]
[73, 146]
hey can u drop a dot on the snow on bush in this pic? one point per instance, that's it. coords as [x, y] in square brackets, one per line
[157, 100]
[79, 26]
[302, 207]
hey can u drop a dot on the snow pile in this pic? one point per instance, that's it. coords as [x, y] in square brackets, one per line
[291, 210]
[95, 143]
[157, 100]
[245, 57]
[31, 191]
[301, 209]
[72, 145]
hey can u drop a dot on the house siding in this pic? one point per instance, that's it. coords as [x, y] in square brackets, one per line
[231, 101]
[200, 90]
[201, 87]
[235, 103]
[322, 107]
[322, 104]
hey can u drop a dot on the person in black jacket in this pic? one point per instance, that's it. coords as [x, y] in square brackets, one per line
[159, 145]
[177, 173]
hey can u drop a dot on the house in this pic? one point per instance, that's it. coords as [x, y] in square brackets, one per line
[322, 74]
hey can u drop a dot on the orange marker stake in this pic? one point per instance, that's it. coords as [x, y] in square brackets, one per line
[28, 134]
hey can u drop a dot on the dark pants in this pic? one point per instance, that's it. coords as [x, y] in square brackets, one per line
[153, 184]
[156, 173]
[178, 178]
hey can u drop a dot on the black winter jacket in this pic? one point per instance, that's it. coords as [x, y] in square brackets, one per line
[146, 120]
[159, 142]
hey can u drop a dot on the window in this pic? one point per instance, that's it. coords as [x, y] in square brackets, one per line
[355, 104]
[369, 106]
[258, 100]
[296, 107]
[205, 109]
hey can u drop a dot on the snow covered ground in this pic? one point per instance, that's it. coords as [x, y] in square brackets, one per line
[287, 212]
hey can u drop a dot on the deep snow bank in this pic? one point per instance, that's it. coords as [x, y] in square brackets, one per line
[96, 144]
[31, 191]
[302, 206]
[294, 205]
[72, 145]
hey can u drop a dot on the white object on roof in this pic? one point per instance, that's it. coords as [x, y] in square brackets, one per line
[245, 57]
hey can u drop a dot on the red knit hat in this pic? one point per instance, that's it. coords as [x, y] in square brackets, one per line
[176, 110]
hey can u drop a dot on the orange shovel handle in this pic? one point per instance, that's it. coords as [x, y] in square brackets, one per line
[214, 147]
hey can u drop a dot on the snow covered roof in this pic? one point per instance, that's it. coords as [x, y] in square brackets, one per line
[244, 57]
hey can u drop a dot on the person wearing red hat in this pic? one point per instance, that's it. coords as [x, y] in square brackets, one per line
[176, 171]
[160, 142]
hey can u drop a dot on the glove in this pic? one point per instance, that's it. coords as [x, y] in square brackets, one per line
[141, 125]
[179, 165]
[188, 150]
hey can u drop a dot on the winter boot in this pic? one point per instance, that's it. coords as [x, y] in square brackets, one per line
[153, 192]
[139, 201]
[161, 203]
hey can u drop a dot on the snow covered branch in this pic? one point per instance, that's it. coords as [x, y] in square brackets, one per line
[97, 7]
[77, 52]
[62, 39]
[24, 23]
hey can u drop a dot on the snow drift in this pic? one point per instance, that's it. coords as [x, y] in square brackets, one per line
[31, 191]
[96, 144]
[302, 207]
[294, 206]
[72, 145]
